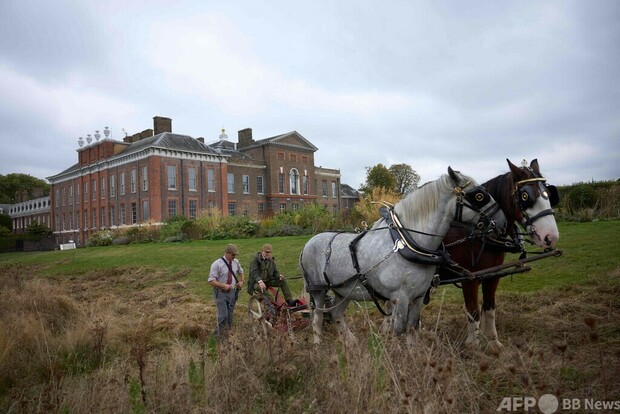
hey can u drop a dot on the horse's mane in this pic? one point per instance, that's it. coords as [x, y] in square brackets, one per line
[420, 203]
[500, 188]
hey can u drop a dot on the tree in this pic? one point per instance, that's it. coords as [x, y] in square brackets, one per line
[38, 230]
[378, 177]
[5, 221]
[406, 178]
[11, 183]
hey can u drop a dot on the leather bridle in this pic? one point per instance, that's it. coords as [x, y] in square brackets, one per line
[526, 199]
[478, 200]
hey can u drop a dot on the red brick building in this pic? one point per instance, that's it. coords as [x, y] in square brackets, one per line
[156, 174]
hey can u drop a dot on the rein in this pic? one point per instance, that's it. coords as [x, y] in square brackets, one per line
[408, 248]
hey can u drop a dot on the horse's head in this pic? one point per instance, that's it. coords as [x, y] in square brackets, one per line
[534, 200]
[475, 205]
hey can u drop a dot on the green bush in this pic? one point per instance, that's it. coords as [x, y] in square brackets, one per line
[142, 234]
[283, 230]
[209, 222]
[580, 197]
[315, 218]
[172, 230]
[5, 221]
[311, 219]
[101, 238]
[38, 230]
[191, 230]
[233, 227]
[589, 201]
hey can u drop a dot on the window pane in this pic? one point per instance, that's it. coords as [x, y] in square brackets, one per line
[172, 177]
[259, 185]
[192, 209]
[294, 181]
[112, 186]
[133, 180]
[191, 172]
[172, 208]
[145, 211]
[246, 184]
[211, 180]
[231, 183]
[145, 178]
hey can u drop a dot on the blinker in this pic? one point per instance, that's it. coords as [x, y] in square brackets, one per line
[478, 196]
[554, 195]
[527, 195]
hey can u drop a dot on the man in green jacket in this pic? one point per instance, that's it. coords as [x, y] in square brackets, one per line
[264, 273]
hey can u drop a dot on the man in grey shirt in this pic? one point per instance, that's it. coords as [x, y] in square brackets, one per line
[226, 277]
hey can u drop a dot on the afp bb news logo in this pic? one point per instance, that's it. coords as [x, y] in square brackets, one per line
[549, 404]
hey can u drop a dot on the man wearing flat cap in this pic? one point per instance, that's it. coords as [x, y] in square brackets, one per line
[226, 277]
[264, 273]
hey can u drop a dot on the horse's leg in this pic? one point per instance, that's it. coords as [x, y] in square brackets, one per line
[487, 322]
[337, 313]
[413, 321]
[470, 295]
[386, 325]
[400, 313]
[318, 297]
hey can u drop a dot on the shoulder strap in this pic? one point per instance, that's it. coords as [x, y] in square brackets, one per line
[229, 266]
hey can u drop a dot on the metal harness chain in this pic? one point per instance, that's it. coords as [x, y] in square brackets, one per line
[397, 246]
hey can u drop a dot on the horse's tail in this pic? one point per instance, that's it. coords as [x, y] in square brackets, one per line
[304, 274]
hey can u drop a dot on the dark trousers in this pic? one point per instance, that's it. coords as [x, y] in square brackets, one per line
[277, 283]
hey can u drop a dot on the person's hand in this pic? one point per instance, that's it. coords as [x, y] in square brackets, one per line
[229, 287]
[240, 284]
[281, 277]
[261, 285]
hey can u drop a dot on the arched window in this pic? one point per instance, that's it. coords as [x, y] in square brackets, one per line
[294, 177]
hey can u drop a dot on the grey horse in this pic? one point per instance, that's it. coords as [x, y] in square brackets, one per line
[366, 266]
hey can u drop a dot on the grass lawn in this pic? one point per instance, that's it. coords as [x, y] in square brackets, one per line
[590, 250]
[88, 330]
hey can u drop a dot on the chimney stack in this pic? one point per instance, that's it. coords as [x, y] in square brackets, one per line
[245, 138]
[147, 133]
[162, 124]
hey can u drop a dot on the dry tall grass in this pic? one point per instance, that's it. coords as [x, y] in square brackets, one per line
[132, 341]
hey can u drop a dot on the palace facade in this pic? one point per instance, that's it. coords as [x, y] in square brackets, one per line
[155, 175]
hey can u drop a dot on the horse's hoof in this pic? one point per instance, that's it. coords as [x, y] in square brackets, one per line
[472, 344]
[496, 343]
[350, 340]
[410, 340]
[494, 347]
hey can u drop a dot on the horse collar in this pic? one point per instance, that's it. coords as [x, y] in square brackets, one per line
[411, 251]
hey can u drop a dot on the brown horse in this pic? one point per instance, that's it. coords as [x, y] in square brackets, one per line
[525, 199]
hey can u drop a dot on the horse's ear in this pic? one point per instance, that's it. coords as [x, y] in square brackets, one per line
[534, 166]
[515, 170]
[453, 175]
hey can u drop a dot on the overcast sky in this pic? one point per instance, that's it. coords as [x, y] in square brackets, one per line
[426, 83]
